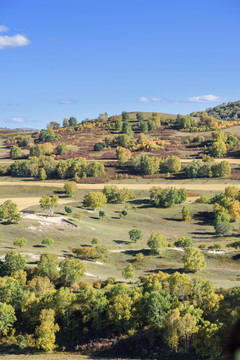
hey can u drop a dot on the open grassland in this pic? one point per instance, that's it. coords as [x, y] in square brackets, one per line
[113, 232]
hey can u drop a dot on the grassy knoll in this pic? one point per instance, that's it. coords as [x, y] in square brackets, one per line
[113, 232]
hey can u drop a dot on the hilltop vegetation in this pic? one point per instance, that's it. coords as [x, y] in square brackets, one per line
[227, 111]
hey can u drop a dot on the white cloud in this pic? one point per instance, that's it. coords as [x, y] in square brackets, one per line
[13, 41]
[144, 99]
[17, 119]
[204, 99]
[156, 99]
[3, 28]
[66, 101]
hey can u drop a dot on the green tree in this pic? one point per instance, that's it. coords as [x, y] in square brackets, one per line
[7, 318]
[65, 122]
[135, 234]
[193, 260]
[102, 214]
[223, 228]
[218, 149]
[71, 271]
[70, 188]
[13, 262]
[94, 200]
[157, 242]
[124, 212]
[124, 140]
[128, 272]
[68, 209]
[118, 125]
[21, 241]
[186, 213]
[15, 152]
[167, 197]
[47, 266]
[171, 329]
[47, 242]
[48, 202]
[9, 212]
[143, 126]
[53, 125]
[46, 331]
[41, 174]
[172, 164]
[125, 116]
[72, 121]
[155, 306]
[111, 192]
[62, 149]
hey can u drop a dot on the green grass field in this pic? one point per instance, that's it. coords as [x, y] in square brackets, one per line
[113, 233]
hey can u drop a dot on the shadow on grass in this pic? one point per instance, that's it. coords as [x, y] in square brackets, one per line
[173, 219]
[39, 246]
[122, 242]
[94, 217]
[142, 203]
[204, 218]
[204, 233]
[236, 258]
[145, 252]
[169, 271]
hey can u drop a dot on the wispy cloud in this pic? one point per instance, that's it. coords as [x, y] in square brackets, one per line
[66, 101]
[204, 99]
[3, 28]
[13, 41]
[143, 99]
[17, 119]
[195, 99]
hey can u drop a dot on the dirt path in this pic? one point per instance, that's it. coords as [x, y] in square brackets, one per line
[25, 202]
[207, 186]
[231, 161]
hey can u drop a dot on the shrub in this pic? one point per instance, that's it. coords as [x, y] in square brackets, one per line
[167, 197]
[68, 209]
[183, 242]
[223, 228]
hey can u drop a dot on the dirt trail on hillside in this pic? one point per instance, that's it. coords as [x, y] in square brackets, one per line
[26, 202]
[207, 186]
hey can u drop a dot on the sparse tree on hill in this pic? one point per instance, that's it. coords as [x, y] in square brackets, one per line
[15, 152]
[68, 209]
[9, 212]
[70, 188]
[102, 214]
[157, 242]
[21, 241]
[128, 272]
[48, 202]
[94, 200]
[65, 122]
[135, 234]
[186, 213]
[193, 260]
[72, 121]
[47, 242]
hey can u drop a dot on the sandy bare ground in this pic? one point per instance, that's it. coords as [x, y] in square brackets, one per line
[231, 161]
[26, 202]
[207, 186]
[59, 220]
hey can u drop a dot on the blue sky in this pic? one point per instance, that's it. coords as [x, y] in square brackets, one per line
[62, 58]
